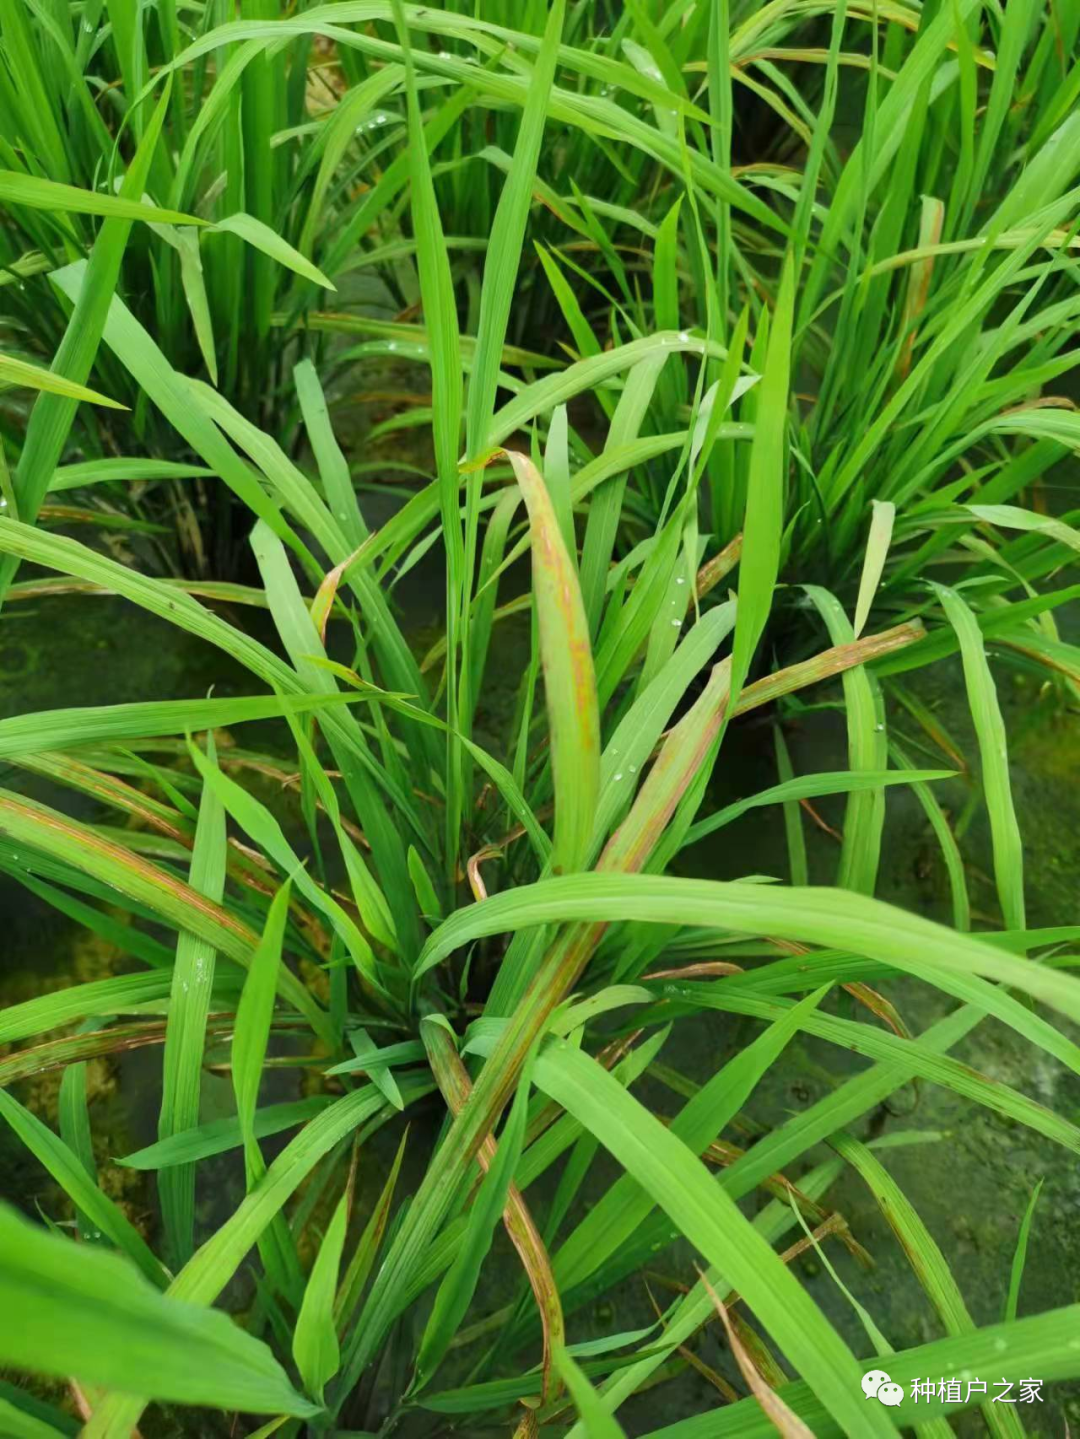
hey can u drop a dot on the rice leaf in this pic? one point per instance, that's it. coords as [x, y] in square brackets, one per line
[68, 1171]
[809, 786]
[257, 821]
[950, 850]
[1016, 1273]
[20, 372]
[864, 814]
[110, 1327]
[793, 828]
[192, 984]
[137, 878]
[457, 1289]
[927, 1260]
[1012, 517]
[73, 1117]
[817, 915]
[883, 513]
[52, 416]
[569, 679]
[621, 1211]
[1038, 1344]
[79, 1001]
[333, 466]
[254, 1013]
[41, 194]
[507, 235]
[680, 1184]
[218, 1136]
[599, 1424]
[364, 1255]
[315, 1345]
[21, 1424]
[261, 237]
[993, 752]
[66, 729]
[763, 523]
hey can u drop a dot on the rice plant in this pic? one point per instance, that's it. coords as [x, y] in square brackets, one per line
[285, 137]
[484, 954]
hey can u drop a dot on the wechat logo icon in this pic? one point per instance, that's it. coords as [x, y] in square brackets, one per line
[877, 1384]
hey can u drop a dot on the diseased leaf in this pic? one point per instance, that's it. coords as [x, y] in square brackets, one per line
[457, 1289]
[569, 678]
[364, 1255]
[883, 513]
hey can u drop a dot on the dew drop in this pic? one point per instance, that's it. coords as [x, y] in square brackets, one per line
[677, 624]
[684, 336]
[618, 776]
[680, 579]
[633, 769]
[1000, 1346]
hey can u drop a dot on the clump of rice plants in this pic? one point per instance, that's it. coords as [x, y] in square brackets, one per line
[483, 953]
[280, 164]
